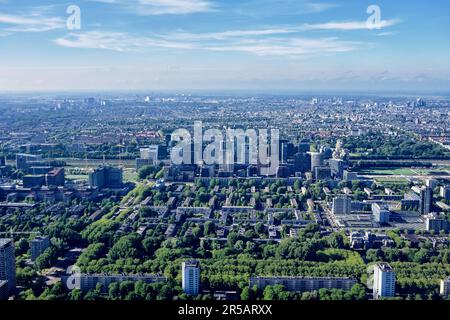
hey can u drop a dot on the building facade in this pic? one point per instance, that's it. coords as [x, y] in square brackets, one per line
[383, 281]
[191, 277]
[303, 284]
[8, 263]
[38, 245]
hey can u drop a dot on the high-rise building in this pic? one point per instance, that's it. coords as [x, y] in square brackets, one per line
[445, 192]
[283, 172]
[191, 277]
[151, 152]
[342, 205]
[426, 200]
[8, 263]
[302, 162]
[22, 160]
[381, 213]
[383, 281]
[445, 288]
[316, 160]
[38, 245]
[435, 222]
[337, 168]
[322, 173]
[106, 177]
[304, 147]
[33, 181]
[4, 291]
[55, 177]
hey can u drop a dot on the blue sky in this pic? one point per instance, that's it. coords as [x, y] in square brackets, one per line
[293, 45]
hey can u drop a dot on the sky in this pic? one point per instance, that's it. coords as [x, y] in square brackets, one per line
[255, 45]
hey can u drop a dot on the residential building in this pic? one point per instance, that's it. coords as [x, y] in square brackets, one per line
[380, 213]
[383, 281]
[8, 263]
[38, 245]
[191, 277]
[337, 168]
[303, 284]
[342, 205]
[426, 200]
[445, 288]
[436, 222]
[90, 281]
[55, 177]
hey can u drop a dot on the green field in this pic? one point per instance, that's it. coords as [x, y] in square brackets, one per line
[392, 180]
[405, 172]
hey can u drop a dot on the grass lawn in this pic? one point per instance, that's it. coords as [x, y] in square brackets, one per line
[392, 180]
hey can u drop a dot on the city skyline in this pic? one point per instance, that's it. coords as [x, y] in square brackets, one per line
[217, 45]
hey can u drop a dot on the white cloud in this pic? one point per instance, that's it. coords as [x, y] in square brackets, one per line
[285, 30]
[262, 47]
[163, 7]
[33, 22]
[289, 47]
[116, 41]
[348, 25]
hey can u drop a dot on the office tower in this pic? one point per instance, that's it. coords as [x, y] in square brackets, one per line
[55, 177]
[283, 172]
[432, 183]
[342, 205]
[4, 291]
[426, 200]
[304, 147]
[337, 168]
[302, 162]
[8, 263]
[326, 152]
[383, 281]
[106, 177]
[381, 213]
[322, 173]
[191, 277]
[38, 245]
[33, 181]
[420, 103]
[283, 151]
[316, 160]
[436, 222]
[151, 152]
[291, 150]
[22, 160]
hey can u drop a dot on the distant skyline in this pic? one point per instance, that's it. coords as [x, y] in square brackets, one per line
[209, 45]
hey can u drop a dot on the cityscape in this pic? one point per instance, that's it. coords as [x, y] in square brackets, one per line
[357, 208]
[198, 183]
